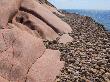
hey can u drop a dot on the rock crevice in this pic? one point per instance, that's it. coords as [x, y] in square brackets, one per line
[22, 31]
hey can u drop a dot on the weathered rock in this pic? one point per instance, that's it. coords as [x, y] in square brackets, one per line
[7, 10]
[46, 16]
[20, 51]
[65, 38]
[3, 79]
[36, 25]
[46, 68]
[25, 28]
[52, 9]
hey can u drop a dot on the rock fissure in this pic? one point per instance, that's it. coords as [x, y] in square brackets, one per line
[10, 72]
[5, 44]
[12, 16]
[13, 47]
[38, 16]
[32, 65]
[4, 39]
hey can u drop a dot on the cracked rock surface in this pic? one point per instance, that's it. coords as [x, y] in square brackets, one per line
[24, 24]
[19, 53]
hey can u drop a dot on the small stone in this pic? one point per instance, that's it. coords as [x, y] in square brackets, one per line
[57, 80]
[83, 80]
[107, 75]
[108, 60]
[102, 71]
[65, 38]
[93, 70]
[99, 63]
[107, 80]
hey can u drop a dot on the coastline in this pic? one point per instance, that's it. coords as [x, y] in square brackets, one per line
[87, 56]
[89, 16]
[40, 44]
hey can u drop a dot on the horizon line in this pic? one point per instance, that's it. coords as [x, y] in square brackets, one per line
[81, 9]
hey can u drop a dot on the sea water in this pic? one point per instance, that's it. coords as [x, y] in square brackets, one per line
[101, 16]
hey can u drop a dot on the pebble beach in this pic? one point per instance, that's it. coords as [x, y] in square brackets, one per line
[87, 56]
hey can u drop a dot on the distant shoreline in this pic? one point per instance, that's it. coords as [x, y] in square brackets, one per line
[88, 9]
[104, 20]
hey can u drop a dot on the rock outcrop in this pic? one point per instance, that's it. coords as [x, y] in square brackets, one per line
[7, 10]
[46, 68]
[65, 38]
[35, 24]
[24, 24]
[45, 15]
[19, 50]
[37, 46]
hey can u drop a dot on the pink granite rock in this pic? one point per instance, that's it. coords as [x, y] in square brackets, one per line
[52, 9]
[8, 9]
[3, 79]
[36, 25]
[46, 68]
[23, 56]
[65, 38]
[20, 51]
[45, 15]
[25, 28]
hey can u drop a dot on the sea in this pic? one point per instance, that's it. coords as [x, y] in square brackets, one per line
[100, 16]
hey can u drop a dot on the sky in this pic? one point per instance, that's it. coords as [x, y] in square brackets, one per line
[82, 4]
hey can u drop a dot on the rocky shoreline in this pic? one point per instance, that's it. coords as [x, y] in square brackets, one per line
[87, 57]
[33, 40]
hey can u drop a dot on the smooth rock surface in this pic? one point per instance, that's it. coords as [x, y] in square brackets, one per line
[20, 51]
[8, 9]
[36, 25]
[25, 28]
[23, 56]
[46, 68]
[46, 15]
[65, 38]
[52, 9]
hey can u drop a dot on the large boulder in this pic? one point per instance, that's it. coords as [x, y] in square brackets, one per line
[65, 38]
[45, 15]
[46, 68]
[26, 28]
[23, 26]
[8, 9]
[36, 25]
[18, 51]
